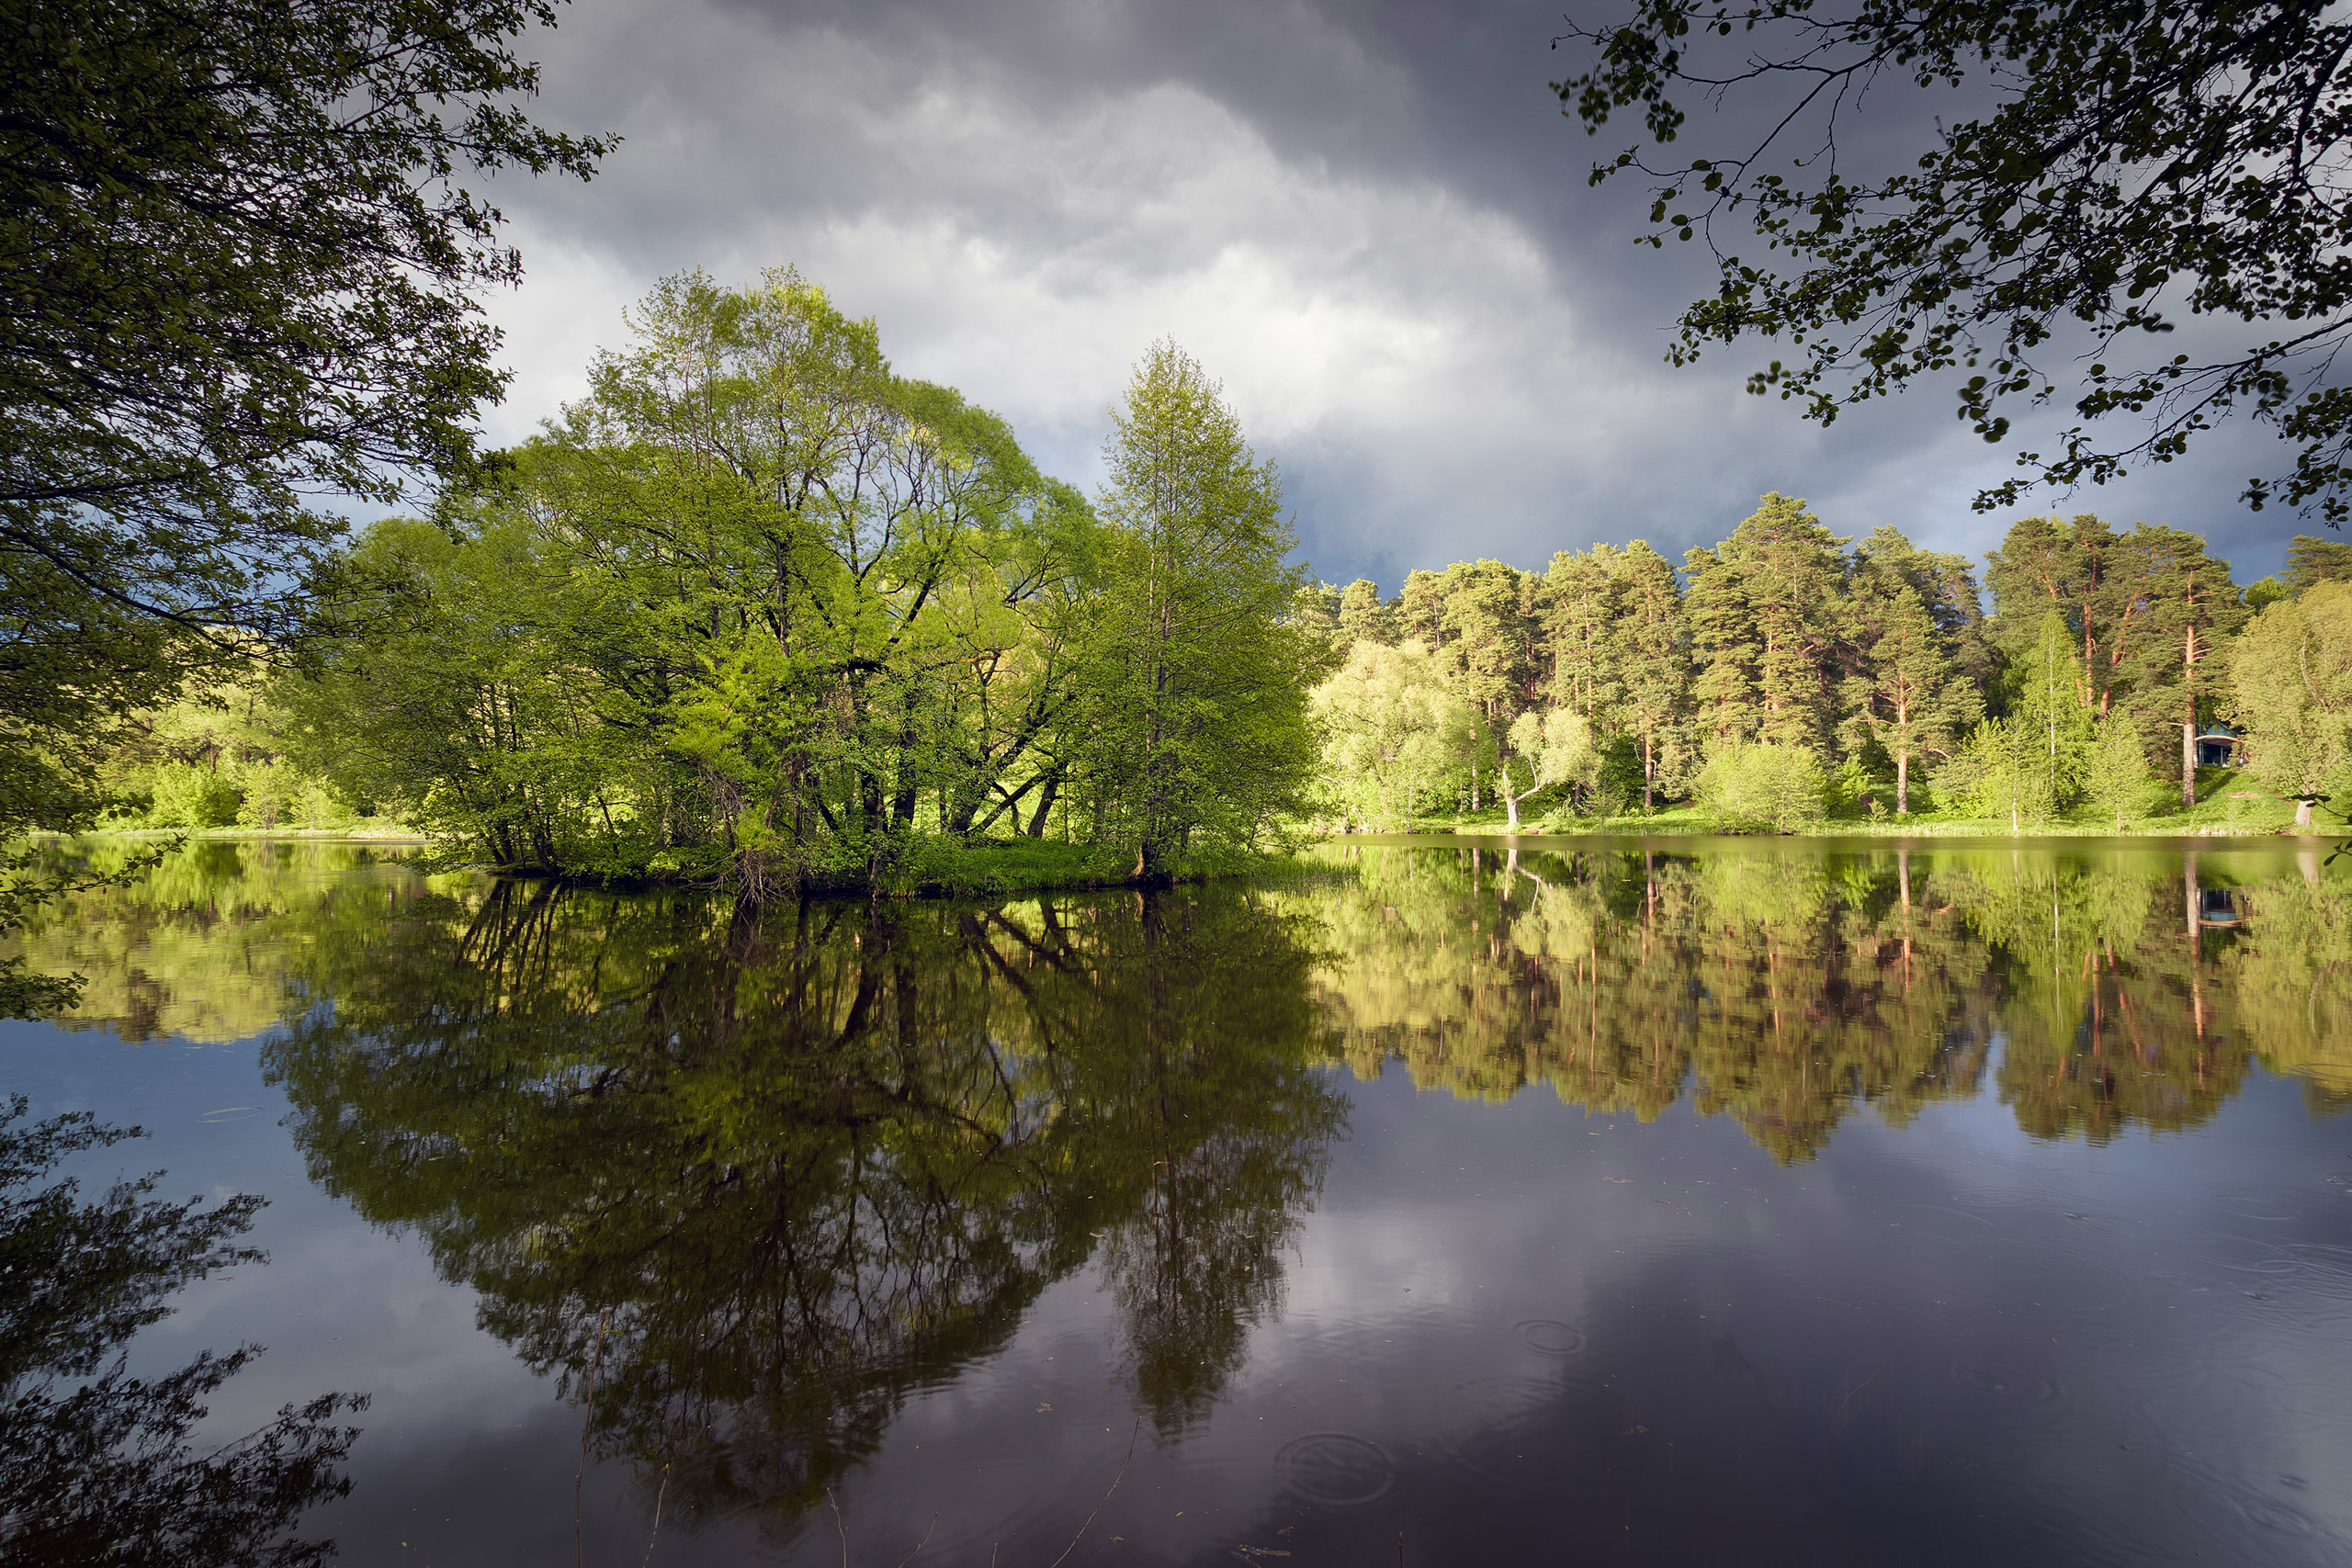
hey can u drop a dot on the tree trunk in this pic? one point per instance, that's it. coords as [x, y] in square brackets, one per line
[2188, 765]
[2303, 811]
[1045, 805]
[1649, 771]
[1903, 783]
[2188, 716]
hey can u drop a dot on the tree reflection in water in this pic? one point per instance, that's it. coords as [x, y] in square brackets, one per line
[775, 1173]
[95, 1465]
[1788, 987]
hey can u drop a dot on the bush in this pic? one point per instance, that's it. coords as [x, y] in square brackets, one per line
[184, 795]
[1760, 784]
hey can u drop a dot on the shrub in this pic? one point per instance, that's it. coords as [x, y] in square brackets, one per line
[184, 795]
[1781, 787]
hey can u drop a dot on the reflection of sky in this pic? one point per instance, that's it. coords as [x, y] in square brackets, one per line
[1507, 1327]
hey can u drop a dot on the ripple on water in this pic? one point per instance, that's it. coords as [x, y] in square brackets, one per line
[1548, 1336]
[2326, 1270]
[1335, 1470]
[2265, 1204]
[2274, 1516]
[2151, 1361]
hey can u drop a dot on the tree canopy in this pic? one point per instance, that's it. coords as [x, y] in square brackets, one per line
[2094, 173]
[239, 291]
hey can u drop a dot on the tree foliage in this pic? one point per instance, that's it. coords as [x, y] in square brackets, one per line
[2095, 175]
[1191, 706]
[2292, 670]
[241, 276]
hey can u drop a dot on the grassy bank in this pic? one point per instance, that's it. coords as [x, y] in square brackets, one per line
[993, 867]
[2228, 805]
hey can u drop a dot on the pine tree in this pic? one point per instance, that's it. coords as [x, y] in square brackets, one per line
[2187, 608]
[1650, 650]
[2078, 569]
[1491, 637]
[1362, 617]
[1909, 694]
[1723, 645]
[1579, 609]
[1421, 608]
[2312, 561]
[1764, 612]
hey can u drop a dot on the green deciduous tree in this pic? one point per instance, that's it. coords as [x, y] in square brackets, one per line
[2115, 770]
[1395, 733]
[1765, 782]
[1547, 747]
[2291, 674]
[2027, 765]
[1194, 677]
[752, 601]
[241, 277]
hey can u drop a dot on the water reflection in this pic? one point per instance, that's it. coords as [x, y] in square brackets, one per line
[763, 1180]
[770, 1175]
[97, 1466]
[1788, 987]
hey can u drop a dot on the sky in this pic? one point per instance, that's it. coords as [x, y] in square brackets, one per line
[1368, 218]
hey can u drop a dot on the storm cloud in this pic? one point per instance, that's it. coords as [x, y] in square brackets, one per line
[1369, 221]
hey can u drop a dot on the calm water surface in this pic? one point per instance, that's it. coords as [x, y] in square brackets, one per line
[1696, 1203]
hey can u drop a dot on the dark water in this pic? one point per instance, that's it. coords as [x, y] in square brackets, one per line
[1717, 1201]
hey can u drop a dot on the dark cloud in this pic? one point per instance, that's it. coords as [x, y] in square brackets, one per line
[1369, 219]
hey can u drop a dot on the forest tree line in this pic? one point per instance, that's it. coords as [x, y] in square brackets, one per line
[1787, 673]
[758, 610]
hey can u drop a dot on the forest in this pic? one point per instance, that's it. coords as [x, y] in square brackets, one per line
[1788, 675]
[758, 612]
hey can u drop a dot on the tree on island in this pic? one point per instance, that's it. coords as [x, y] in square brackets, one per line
[1193, 712]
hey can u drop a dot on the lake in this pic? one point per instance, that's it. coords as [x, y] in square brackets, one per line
[1686, 1201]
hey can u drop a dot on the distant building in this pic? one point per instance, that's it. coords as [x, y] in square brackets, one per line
[2217, 746]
